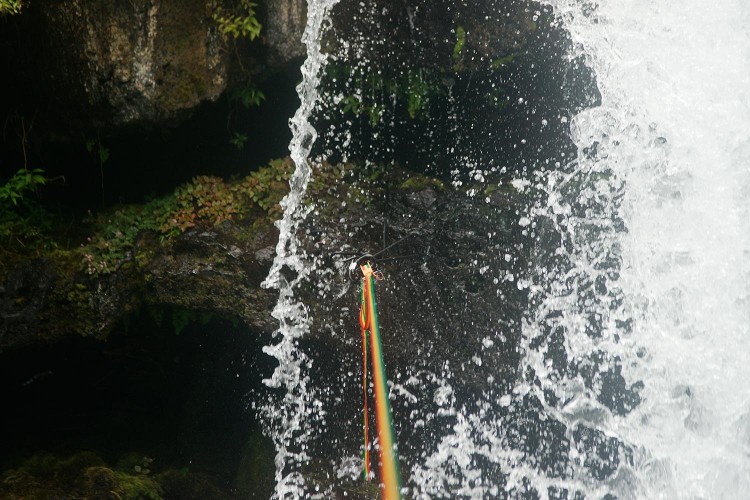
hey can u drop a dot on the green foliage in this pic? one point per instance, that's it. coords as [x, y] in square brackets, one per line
[20, 184]
[418, 182]
[22, 219]
[83, 475]
[29, 228]
[137, 487]
[98, 150]
[115, 236]
[248, 96]
[239, 21]
[358, 183]
[497, 98]
[205, 201]
[417, 94]
[502, 61]
[351, 105]
[458, 47]
[267, 186]
[238, 140]
[181, 318]
[10, 7]
[100, 153]
[372, 92]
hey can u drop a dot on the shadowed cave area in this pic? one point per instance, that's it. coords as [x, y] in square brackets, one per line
[168, 398]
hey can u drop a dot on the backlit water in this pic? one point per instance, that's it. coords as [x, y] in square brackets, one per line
[635, 353]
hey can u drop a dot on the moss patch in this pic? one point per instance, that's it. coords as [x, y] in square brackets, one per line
[85, 475]
[206, 201]
[419, 182]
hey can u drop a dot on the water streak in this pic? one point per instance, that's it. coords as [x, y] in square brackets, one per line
[292, 420]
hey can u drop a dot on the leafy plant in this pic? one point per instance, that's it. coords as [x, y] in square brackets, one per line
[375, 111]
[238, 140]
[499, 63]
[497, 98]
[22, 182]
[371, 93]
[458, 47]
[113, 241]
[95, 147]
[351, 105]
[417, 93]
[10, 7]
[26, 224]
[238, 22]
[204, 201]
[181, 318]
[267, 186]
[248, 96]
[205, 198]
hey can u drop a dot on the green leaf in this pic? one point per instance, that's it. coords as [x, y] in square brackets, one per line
[460, 42]
[103, 153]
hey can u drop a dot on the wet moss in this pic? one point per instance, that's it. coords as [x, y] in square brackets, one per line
[195, 248]
[204, 202]
[419, 182]
[320, 476]
[86, 475]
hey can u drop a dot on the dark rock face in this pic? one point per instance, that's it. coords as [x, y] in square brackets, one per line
[449, 307]
[217, 270]
[450, 289]
[148, 61]
[432, 34]
[285, 22]
[448, 302]
[455, 242]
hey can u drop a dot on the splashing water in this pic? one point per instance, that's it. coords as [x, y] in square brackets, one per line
[635, 361]
[655, 238]
[293, 421]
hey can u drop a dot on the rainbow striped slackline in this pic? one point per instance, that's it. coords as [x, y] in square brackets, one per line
[368, 318]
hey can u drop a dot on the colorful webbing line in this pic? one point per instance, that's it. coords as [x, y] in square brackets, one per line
[368, 317]
[365, 328]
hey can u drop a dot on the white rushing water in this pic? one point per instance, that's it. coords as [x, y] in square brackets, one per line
[291, 421]
[651, 279]
[669, 191]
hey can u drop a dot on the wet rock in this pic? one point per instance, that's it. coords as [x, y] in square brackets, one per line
[52, 298]
[99, 482]
[285, 23]
[440, 35]
[108, 64]
[450, 290]
[456, 258]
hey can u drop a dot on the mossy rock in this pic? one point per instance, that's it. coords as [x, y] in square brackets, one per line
[419, 182]
[99, 483]
[320, 476]
[185, 484]
[82, 475]
[137, 487]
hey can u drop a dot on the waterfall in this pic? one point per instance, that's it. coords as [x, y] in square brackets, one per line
[291, 421]
[634, 350]
[653, 217]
